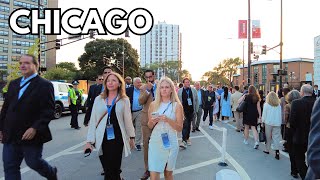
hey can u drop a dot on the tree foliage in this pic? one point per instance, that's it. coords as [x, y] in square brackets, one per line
[170, 68]
[224, 71]
[91, 61]
[68, 66]
[59, 73]
[33, 50]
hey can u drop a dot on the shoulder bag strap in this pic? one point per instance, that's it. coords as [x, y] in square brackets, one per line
[104, 114]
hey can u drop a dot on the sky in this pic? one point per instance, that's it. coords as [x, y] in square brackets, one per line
[210, 28]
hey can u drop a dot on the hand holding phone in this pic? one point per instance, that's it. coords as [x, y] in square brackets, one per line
[155, 117]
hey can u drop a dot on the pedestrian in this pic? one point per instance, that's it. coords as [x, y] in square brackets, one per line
[315, 93]
[216, 106]
[128, 81]
[24, 121]
[283, 102]
[189, 99]
[291, 96]
[147, 95]
[201, 99]
[90, 99]
[74, 99]
[300, 116]
[225, 102]
[133, 93]
[252, 114]
[166, 119]
[262, 100]
[110, 127]
[209, 103]
[234, 102]
[271, 120]
[219, 91]
[313, 152]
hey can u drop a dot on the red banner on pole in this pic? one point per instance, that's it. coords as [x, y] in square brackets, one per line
[242, 29]
[256, 29]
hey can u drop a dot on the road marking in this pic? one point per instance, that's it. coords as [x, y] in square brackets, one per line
[59, 154]
[194, 166]
[281, 152]
[243, 174]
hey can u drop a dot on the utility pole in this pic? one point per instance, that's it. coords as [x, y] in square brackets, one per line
[249, 43]
[242, 63]
[39, 36]
[281, 44]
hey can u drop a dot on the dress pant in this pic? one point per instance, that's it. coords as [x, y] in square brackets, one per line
[13, 154]
[112, 158]
[294, 169]
[299, 151]
[218, 114]
[205, 114]
[238, 118]
[74, 115]
[146, 133]
[136, 118]
[196, 121]
[187, 126]
[87, 116]
[273, 133]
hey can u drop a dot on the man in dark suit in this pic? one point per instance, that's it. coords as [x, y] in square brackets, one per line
[201, 96]
[90, 99]
[313, 154]
[24, 119]
[300, 115]
[315, 93]
[128, 82]
[133, 93]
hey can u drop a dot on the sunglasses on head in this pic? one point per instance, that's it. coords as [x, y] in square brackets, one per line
[100, 79]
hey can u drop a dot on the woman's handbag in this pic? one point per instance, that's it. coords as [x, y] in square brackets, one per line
[262, 134]
[242, 106]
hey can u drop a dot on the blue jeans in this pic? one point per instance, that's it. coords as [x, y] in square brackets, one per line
[13, 155]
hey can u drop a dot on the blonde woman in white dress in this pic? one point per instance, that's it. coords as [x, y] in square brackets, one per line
[166, 119]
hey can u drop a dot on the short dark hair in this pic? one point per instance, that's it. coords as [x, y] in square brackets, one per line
[285, 91]
[106, 67]
[148, 70]
[315, 86]
[186, 78]
[34, 59]
[245, 88]
[237, 88]
[180, 85]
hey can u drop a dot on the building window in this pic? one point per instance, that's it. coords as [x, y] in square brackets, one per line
[4, 25]
[3, 57]
[19, 51]
[3, 66]
[4, 49]
[4, 16]
[5, 1]
[275, 68]
[4, 41]
[4, 8]
[264, 73]
[23, 4]
[15, 58]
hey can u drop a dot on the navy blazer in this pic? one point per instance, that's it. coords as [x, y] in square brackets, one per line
[313, 154]
[34, 109]
[129, 92]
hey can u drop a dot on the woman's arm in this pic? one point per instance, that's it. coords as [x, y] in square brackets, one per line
[127, 119]
[178, 124]
[259, 110]
[91, 136]
[241, 99]
[152, 121]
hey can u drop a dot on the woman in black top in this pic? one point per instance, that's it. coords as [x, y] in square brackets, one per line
[251, 114]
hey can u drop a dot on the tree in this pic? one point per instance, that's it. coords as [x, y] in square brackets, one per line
[170, 68]
[185, 73]
[91, 61]
[224, 71]
[67, 65]
[34, 49]
[59, 74]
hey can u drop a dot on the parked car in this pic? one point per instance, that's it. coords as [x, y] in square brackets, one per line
[61, 98]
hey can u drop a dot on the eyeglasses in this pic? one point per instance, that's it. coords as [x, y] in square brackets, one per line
[100, 79]
[148, 77]
[106, 72]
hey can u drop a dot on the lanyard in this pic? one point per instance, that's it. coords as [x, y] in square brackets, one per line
[188, 92]
[167, 107]
[110, 108]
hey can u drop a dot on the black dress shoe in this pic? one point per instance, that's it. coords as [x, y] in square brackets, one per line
[77, 128]
[277, 155]
[55, 176]
[197, 129]
[145, 176]
[193, 130]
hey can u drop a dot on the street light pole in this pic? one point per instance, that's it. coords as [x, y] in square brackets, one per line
[242, 63]
[39, 45]
[281, 45]
[249, 43]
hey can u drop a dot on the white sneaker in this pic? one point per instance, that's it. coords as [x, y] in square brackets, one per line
[189, 142]
[183, 145]
[256, 145]
[211, 127]
[245, 142]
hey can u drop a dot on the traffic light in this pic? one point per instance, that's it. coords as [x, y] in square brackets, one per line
[256, 77]
[251, 47]
[264, 49]
[58, 43]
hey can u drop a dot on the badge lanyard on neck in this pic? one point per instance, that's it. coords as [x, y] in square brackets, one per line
[188, 93]
[165, 112]
[110, 108]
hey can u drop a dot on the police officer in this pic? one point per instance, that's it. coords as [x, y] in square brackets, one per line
[74, 98]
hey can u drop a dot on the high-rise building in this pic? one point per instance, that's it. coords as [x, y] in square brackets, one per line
[12, 45]
[161, 44]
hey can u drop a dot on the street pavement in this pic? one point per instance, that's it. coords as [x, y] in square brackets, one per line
[198, 161]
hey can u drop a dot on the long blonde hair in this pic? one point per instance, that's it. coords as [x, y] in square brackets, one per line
[121, 88]
[273, 99]
[173, 97]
